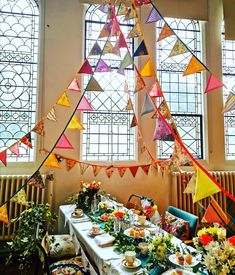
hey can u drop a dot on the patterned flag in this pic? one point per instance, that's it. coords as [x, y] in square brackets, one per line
[121, 42]
[109, 171]
[102, 67]
[70, 163]
[122, 9]
[20, 197]
[121, 171]
[155, 90]
[141, 50]
[39, 128]
[153, 16]
[74, 85]
[96, 169]
[178, 48]
[165, 32]
[37, 180]
[27, 140]
[162, 132]
[83, 167]
[131, 14]
[51, 115]
[108, 48]
[230, 102]
[15, 149]
[96, 50]
[3, 214]
[106, 31]
[179, 157]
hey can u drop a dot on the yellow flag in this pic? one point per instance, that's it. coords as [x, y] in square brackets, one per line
[52, 161]
[3, 214]
[75, 124]
[129, 105]
[179, 48]
[20, 197]
[165, 32]
[190, 188]
[194, 66]
[148, 69]
[63, 100]
[136, 31]
[204, 186]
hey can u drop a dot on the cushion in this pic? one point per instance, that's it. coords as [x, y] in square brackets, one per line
[61, 246]
[176, 226]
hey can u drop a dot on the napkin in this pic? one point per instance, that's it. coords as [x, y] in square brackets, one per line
[104, 240]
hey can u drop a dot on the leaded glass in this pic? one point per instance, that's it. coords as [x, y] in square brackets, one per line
[19, 21]
[183, 94]
[107, 135]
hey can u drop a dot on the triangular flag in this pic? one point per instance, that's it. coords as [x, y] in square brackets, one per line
[145, 168]
[84, 105]
[127, 61]
[191, 186]
[121, 171]
[148, 106]
[178, 48]
[63, 100]
[162, 132]
[96, 50]
[104, 8]
[109, 171]
[86, 68]
[204, 186]
[141, 50]
[93, 85]
[27, 140]
[83, 167]
[96, 169]
[70, 163]
[121, 71]
[3, 157]
[230, 103]
[122, 9]
[134, 121]
[121, 42]
[15, 149]
[51, 115]
[153, 16]
[102, 67]
[116, 31]
[129, 105]
[108, 48]
[52, 161]
[194, 66]
[75, 124]
[131, 14]
[63, 143]
[105, 32]
[155, 90]
[133, 170]
[37, 180]
[215, 214]
[165, 32]
[148, 69]
[213, 83]
[74, 85]
[20, 197]
[139, 84]
[3, 214]
[39, 128]
[136, 31]
[164, 110]
[179, 157]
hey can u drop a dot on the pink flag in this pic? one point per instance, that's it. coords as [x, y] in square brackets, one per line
[3, 157]
[64, 143]
[213, 83]
[86, 68]
[121, 42]
[15, 149]
[102, 67]
[115, 28]
[84, 105]
[155, 90]
[74, 85]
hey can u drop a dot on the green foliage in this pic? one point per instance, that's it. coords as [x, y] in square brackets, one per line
[24, 240]
[124, 243]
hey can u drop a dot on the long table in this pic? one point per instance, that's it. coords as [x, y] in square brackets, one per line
[105, 259]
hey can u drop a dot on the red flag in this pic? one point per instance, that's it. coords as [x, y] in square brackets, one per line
[146, 168]
[213, 83]
[27, 140]
[86, 68]
[121, 171]
[3, 157]
[134, 170]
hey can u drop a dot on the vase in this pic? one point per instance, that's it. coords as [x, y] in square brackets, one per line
[117, 224]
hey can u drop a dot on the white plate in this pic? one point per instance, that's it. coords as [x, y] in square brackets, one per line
[91, 234]
[127, 233]
[76, 216]
[173, 259]
[136, 263]
[185, 272]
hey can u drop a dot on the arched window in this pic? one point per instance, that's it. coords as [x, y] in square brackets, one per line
[182, 93]
[228, 63]
[107, 135]
[18, 73]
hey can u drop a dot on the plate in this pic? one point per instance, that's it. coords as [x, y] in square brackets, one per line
[185, 272]
[76, 216]
[61, 269]
[127, 233]
[136, 263]
[173, 259]
[91, 234]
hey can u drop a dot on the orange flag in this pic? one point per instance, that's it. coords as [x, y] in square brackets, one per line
[148, 69]
[52, 161]
[63, 100]
[194, 66]
[3, 214]
[75, 124]
[165, 32]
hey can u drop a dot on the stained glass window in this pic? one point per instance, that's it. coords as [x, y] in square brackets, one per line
[183, 94]
[228, 61]
[19, 20]
[107, 135]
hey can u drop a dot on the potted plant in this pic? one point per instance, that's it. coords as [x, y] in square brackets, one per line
[23, 243]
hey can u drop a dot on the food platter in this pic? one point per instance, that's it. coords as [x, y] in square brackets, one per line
[173, 259]
[136, 263]
[127, 233]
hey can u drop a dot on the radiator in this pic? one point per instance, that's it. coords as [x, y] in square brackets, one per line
[8, 186]
[185, 202]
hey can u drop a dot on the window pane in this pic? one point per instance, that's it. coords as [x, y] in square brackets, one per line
[18, 73]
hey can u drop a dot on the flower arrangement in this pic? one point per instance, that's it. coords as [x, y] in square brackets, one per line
[87, 194]
[218, 253]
